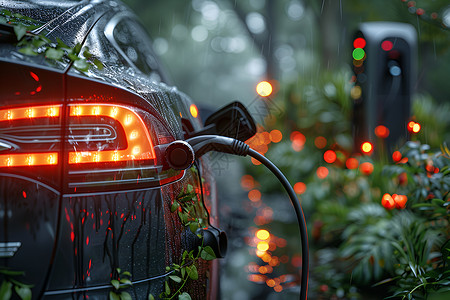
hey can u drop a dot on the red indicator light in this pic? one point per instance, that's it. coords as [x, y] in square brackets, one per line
[359, 43]
[387, 45]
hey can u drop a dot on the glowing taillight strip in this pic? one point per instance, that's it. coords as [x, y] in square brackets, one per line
[140, 146]
[29, 112]
[28, 159]
[32, 112]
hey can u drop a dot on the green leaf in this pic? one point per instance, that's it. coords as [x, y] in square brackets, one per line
[76, 50]
[183, 217]
[11, 273]
[20, 284]
[98, 64]
[207, 253]
[184, 296]
[151, 297]
[113, 296]
[126, 273]
[190, 188]
[115, 283]
[193, 226]
[6, 290]
[23, 292]
[174, 206]
[20, 31]
[438, 202]
[183, 272]
[166, 288]
[126, 281]
[175, 278]
[54, 54]
[81, 65]
[125, 296]
[61, 44]
[192, 272]
[73, 57]
[86, 53]
[37, 42]
[28, 50]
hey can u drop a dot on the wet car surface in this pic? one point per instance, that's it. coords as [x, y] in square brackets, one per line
[85, 194]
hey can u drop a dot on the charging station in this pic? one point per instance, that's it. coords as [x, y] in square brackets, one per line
[384, 67]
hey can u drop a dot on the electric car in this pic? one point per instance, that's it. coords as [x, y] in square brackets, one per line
[99, 197]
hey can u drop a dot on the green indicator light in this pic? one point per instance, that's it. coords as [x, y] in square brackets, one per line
[358, 54]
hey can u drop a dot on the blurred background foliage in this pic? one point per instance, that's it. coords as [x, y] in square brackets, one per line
[378, 224]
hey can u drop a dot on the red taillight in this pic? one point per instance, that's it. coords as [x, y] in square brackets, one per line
[28, 159]
[137, 144]
[106, 146]
[24, 126]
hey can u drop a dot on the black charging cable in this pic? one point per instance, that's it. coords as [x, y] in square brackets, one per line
[207, 143]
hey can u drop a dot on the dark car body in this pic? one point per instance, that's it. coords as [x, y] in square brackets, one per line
[85, 195]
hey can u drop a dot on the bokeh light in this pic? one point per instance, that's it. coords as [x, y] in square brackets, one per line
[322, 172]
[300, 188]
[329, 156]
[320, 142]
[396, 156]
[254, 195]
[367, 147]
[351, 163]
[366, 168]
[193, 110]
[387, 201]
[276, 136]
[262, 234]
[264, 89]
[382, 131]
[263, 246]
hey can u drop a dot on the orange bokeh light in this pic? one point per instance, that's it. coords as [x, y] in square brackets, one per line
[329, 156]
[351, 163]
[276, 136]
[396, 156]
[248, 182]
[300, 188]
[366, 168]
[387, 201]
[193, 110]
[400, 201]
[254, 195]
[320, 142]
[322, 172]
[382, 131]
